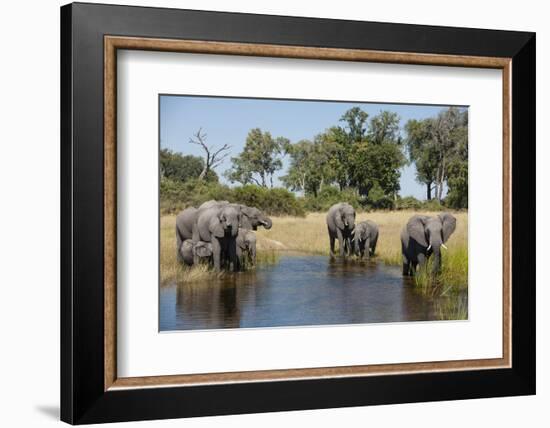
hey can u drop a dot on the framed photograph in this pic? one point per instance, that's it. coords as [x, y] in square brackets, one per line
[266, 213]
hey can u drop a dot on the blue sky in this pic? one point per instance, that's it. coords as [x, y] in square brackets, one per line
[228, 120]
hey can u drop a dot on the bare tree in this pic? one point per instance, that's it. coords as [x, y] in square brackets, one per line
[212, 156]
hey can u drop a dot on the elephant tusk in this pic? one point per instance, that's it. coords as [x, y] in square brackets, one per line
[429, 246]
[444, 246]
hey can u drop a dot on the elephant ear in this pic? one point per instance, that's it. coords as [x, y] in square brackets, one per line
[416, 229]
[338, 219]
[215, 227]
[448, 222]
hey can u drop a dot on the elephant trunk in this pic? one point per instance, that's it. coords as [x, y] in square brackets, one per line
[436, 266]
[267, 223]
[234, 228]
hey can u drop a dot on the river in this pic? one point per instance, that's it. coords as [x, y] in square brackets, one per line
[297, 290]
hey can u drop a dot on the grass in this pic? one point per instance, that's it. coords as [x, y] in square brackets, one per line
[309, 234]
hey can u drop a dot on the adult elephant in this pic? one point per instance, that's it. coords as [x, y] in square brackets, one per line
[218, 225]
[424, 236]
[341, 223]
[365, 237]
[184, 228]
[212, 203]
[246, 248]
[190, 250]
[251, 217]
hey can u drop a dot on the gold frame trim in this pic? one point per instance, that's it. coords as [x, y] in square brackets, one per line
[112, 43]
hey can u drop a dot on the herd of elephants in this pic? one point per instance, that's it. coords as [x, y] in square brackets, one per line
[222, 234]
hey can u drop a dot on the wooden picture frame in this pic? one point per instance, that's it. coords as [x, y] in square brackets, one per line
[91, 390]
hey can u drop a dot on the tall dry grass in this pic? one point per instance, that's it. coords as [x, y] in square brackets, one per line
[309, 235]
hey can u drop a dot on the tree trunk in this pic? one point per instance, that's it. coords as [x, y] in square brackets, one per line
[429, 191]
[202, 175]
[441, 178]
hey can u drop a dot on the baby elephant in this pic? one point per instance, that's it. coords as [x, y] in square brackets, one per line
[365, 237]
[189, 249]
[246, 248]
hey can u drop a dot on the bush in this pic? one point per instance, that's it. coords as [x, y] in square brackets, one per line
[408, 203]
[329, 196]
[176, 195]
[276, 201]
[432, 205]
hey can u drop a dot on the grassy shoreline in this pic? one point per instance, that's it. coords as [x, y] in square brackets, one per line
[309, 235]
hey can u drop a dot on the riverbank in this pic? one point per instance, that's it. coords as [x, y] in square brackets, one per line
[309, 235]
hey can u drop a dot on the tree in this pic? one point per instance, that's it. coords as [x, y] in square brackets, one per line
[177, 167]
[212, 157]
[310, 167]
[422, 152]
[377, 166]
[259, 160]
[384, 128]
[457, 180]
[438, 146]
[355, 119]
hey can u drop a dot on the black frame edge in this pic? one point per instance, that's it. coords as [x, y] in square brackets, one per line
[524, 213]
[66, 315]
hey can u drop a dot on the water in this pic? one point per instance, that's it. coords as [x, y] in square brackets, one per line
[298, 290]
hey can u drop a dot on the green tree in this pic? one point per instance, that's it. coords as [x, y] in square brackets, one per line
[259, 160]
[177, 167]
[377, 165]
[439, 148]
[310, 169]
[384, 128]
[457, 171]
[422, 152]
[356, 120]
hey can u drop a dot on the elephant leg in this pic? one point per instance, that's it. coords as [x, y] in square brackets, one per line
[240, 258]
[216, 254]
[232, 257]
[367, 249]
[406, 266]
[341, 244]
[178, 246]
[331, 244]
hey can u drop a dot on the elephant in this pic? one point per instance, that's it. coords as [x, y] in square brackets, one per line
[340, 223]
[365, 236]
[189, 250]
[212, 203]
[424, 236]
[251, 217]
[246, 248]
[184, 227]
[218, 225]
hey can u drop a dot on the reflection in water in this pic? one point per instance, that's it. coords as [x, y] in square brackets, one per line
[298, 290]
